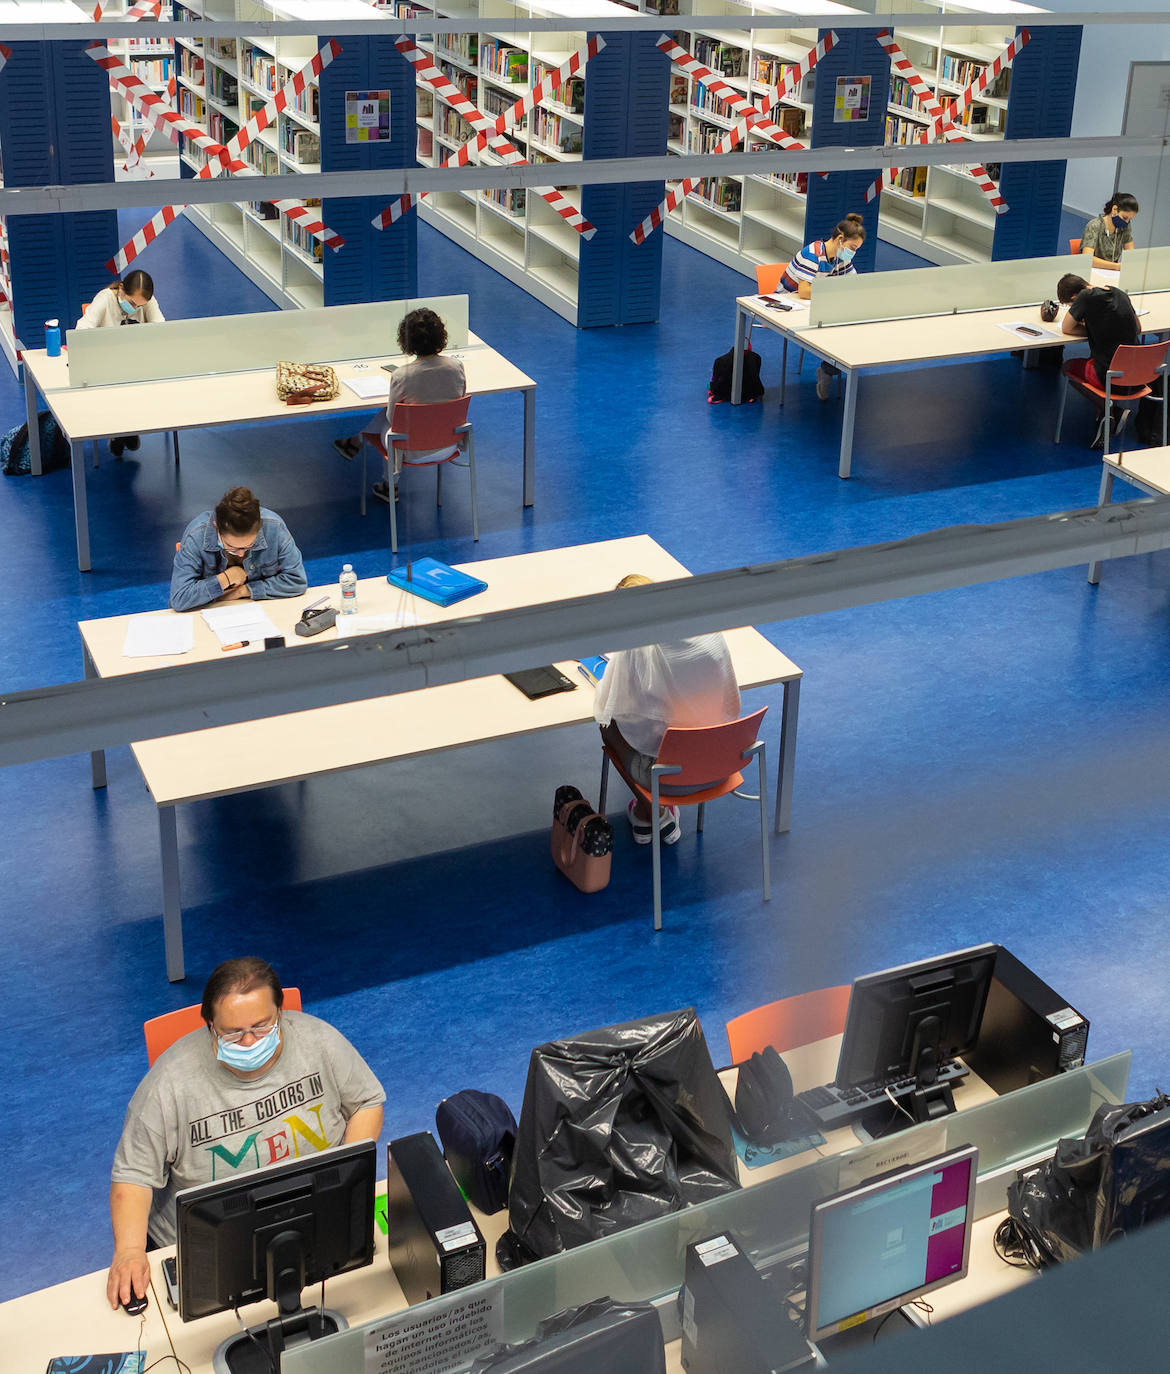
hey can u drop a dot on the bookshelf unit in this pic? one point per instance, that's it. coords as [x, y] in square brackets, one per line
[154, 62]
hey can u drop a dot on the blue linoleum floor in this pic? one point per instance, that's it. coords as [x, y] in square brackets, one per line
[981, 764]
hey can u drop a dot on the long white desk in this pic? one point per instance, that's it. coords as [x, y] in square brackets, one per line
[264, 753]
[91, 413]
[895, 343]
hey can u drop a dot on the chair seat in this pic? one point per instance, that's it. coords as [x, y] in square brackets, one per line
[719, 789]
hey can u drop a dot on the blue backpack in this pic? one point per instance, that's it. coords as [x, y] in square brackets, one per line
[478, 1132]
[14, 455]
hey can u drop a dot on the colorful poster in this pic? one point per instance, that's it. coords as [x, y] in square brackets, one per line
[367, 116]
[852, 102]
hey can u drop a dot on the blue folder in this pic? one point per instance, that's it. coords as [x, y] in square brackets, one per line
[435, 581]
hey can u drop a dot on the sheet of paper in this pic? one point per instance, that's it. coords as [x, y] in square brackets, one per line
[1027, 331]
[239, 621]
[156, 636]
[375, 387]
[367, 624]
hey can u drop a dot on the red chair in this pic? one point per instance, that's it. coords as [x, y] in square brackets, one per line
[788, 1023]
[161, 1032]
[1074, 245]
[691, 757]
[1134, 365]
[431, 427]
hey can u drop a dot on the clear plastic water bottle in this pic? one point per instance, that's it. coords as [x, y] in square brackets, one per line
[348, 583]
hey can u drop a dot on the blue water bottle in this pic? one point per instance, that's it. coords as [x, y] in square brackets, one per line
[53, 338]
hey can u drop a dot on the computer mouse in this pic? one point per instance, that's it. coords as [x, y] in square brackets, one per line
[137, 1305]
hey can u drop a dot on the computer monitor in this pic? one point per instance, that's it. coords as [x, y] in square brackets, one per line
[269, 1233]
[890, 1240]
[905, 1023]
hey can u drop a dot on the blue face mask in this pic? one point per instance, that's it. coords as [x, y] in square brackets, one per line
[1118, 222]
[845, 255]
[247, 1058]
[127, 308]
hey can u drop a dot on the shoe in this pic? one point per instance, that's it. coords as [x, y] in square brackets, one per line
[669, 826]
[348, 448]
[116, 447]
[381, 492]
[824, 383]
[131, 441]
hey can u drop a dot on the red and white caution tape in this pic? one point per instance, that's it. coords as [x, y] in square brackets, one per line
[308, 218]
[122, 135]
[5, 54]
[263, 117]
[137, 11]
[490, 131]
[150, 105]
[755, 119]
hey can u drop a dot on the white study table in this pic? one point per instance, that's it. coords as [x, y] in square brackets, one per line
[1148, 469]
[91, 413]
[74, 1318]
[264, 753]
[895, 343]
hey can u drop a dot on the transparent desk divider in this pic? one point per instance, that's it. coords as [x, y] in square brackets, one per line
[1145, 269]
[769, 1218]
[241, 343]
[938, 290]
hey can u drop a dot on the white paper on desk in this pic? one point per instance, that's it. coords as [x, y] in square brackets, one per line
[1017, 328]
[370, 388]
[157, 636]
[368, 624]
[247, 621]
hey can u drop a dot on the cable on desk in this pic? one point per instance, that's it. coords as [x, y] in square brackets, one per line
[162, 1359]
[882, 1323]
[1015, 1247]
[251, 1335]
[925, 1308]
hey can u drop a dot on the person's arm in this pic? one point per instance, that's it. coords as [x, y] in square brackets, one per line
[190, 588]
[1074, 318]
[95, 316]
[1106, 264]
[151, 314]
[129, 1210]
[289, 578]
[365, 1124]
[1090, 243]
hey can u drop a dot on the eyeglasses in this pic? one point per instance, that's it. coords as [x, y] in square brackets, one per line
[237, 550]
[256, 1032]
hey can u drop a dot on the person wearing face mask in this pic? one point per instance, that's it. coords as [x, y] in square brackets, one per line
[129, 301]
[831, 257]
[255, 1086]
[1109, 234]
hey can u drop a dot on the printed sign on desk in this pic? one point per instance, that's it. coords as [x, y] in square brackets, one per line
[852, 102]
[367, 116]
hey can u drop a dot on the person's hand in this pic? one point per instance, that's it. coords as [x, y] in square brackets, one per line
[242, 592]
[236, 574]
[130, 1269]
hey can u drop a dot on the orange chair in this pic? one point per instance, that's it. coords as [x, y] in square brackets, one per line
[437, 425]
[768, 276]
[788, 1023]
[161, 1032]
[1074, 245]
[1134, 365]
[691, 757]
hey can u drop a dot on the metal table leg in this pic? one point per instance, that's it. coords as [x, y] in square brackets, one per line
[97, 759]
[737, 355]
[786, 765]
[1104, 496]
[34, 430]
[847, 422]
[529, 445]
[172, 909]
[784, 369]
[80, 508]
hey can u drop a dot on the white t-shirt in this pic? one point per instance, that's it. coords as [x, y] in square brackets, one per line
[191, 1120]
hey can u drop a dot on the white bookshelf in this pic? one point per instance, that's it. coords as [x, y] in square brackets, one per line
[153, 61]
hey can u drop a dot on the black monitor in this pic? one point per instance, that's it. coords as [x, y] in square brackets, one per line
[269, 1233]
[904, 1023]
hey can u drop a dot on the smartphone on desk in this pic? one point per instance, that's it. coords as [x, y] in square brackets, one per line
[389, 367]
[777, 305]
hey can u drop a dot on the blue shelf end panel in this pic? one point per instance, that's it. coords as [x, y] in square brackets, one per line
[1040, 105]
[856, 54]
[55, 131]
[626, 115]
[373, 264]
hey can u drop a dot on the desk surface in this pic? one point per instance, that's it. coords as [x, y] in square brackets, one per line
[93, 412]
[1149, 468]
[334, 738]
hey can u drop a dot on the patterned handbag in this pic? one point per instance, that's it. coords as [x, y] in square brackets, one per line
[581, 842]
[299, 384]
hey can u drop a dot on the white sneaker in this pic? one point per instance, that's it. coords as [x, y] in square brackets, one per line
[669, 825]
[824, 383]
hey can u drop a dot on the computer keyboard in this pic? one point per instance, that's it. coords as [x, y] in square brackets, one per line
[833, 1106]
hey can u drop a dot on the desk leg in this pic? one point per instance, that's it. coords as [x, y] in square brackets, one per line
[529, 446]
[34, 430]
[80, 507]
[1104, 496]
[786, 767]
[172, 910]
[97, 759]
[737, 355]
[847, 422]
[784, 370]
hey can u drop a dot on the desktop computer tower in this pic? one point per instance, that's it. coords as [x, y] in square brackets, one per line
[435, 1246]
[1028, 1033]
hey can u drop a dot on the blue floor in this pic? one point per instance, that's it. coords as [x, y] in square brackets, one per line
[980, 764]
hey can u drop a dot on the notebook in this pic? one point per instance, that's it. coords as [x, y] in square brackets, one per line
[541, 682]
[436, 582]
[593, 667]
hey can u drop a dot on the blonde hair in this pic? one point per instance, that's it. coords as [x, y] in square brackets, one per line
[634, 580]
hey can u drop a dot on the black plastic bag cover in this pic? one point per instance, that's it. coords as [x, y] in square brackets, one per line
[602, 1314]
[618, 1126]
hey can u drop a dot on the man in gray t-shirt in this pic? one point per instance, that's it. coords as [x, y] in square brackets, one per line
[255, 1086]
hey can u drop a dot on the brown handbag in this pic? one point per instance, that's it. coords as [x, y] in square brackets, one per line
[582, 841]
[299, 384]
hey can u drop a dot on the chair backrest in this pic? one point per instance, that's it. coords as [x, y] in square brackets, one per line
[1138, 364]
[1074, 245]
[709, 753]
[161, 1032]
[768, 276]
[430, 425]
[790, 1022]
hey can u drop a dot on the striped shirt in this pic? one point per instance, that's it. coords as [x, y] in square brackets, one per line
[810, 263]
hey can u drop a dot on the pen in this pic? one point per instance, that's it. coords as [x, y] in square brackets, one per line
[243, 644]
[586, 674]
[315, 604]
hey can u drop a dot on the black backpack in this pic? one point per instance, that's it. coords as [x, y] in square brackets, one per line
[15, 459]
[719, 387]
[478, 1132]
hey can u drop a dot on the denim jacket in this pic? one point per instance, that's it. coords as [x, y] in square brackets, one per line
[273, 564]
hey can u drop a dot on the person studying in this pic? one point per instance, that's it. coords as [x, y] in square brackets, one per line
[1104, 316]
[129, 301]
[255, 1086]
[1108, 234]
[831, 257]
[238, 552]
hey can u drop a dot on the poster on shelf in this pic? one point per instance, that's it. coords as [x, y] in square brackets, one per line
[852, 102]
[367, 116]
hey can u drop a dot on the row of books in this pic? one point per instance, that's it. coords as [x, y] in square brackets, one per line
[450, 125]
[961, 70]
[510, 64]
[494, 102]
[223, 48]
[154, 70]
[770, 71]
[222, 86]
[727, 58]
[464, 46]
[703, 138]
[308, 103]
[902, 93]
[912, 180]
[222, 129]
[721, 192]
[902, 131]
[263, 159]
[303, 242]
[554, 132]
[300, 143]
[426, 145]
[511, 201]
[191, 66]
[571, 93]
[258, 68]
[459, 78]
[191, 106]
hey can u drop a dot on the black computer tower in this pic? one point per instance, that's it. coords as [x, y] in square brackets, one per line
[1028, 1033]
[435, 1246]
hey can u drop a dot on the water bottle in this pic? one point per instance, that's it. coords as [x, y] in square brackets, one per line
[53, 338]
[348, 582]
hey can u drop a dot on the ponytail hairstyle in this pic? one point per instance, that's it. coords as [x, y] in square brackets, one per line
[851, 227]
[1124, 201]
